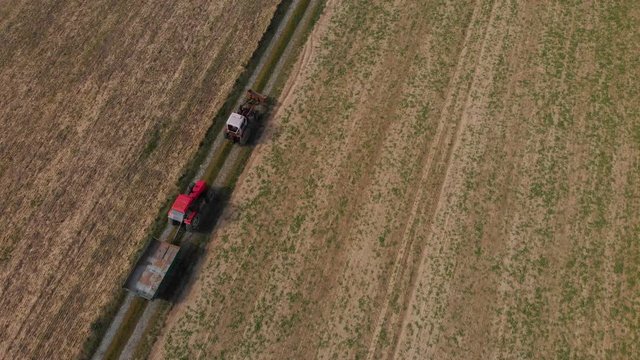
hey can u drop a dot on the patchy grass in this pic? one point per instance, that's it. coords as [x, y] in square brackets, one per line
[129, 322]
[449, 178]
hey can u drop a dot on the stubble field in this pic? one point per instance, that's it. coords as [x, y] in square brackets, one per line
[445, 179]
[102, 105]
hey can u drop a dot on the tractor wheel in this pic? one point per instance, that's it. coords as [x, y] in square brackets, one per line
[210, 196]
[194, 223]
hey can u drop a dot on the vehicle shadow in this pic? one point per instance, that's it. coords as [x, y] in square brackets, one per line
[192, 248]
[259, 132]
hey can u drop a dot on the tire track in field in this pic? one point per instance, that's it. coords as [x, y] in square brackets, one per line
[440, 153]
[498, 330]
[475, 102]
[304, 58]
[343, 224]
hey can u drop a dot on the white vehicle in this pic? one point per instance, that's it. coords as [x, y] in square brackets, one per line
[239, 124]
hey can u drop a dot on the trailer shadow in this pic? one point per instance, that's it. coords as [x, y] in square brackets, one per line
[192, 247]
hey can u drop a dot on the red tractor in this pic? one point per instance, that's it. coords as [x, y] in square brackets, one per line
[188, 208]
[239, 125]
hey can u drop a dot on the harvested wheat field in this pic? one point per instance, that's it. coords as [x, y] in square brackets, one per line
[102, 105]
[445, 180]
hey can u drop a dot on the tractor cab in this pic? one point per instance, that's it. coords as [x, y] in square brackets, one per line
[187, 207]
[236, 124]
[180, 208]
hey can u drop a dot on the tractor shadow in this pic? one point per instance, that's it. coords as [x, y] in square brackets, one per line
[214, 210]
[192, 249]
[260, 134]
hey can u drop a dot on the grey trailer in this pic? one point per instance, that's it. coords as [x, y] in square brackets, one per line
[152, 269]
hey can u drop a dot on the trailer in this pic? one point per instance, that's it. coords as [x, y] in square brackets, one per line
[149, 276]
